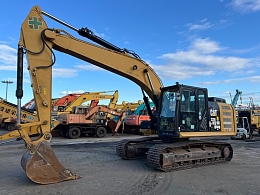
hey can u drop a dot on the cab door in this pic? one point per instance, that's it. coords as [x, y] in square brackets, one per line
[193, 110]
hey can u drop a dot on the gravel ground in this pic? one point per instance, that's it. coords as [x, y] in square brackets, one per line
[104, 172]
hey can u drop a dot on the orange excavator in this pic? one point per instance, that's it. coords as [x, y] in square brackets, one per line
[66, 106]
[65, 100]
[182, 111]
[29, 105]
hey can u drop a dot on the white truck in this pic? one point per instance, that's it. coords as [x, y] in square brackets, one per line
[243, 129]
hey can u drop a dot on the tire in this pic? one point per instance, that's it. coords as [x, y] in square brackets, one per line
[11, 127]
[244, 137]
[101, 132]
[74, 133]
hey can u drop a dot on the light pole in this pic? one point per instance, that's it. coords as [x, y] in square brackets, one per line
[7, 82]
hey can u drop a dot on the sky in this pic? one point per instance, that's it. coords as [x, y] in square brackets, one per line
[205, 43]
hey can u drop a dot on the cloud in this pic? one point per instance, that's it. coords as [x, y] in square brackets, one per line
[204, 24]
[207, 61]
[8, 67]
[8, 57]
[205, 46]
[253, 79]
[178, 71]
[245, 5]
[70, 92]
[8, 62]
[64, 72]
[201, 58]
[89, 67]
[201, 25]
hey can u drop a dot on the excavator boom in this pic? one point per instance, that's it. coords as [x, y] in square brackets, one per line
[37, 40]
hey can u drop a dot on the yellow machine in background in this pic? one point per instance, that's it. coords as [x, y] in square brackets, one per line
[8, 116]
[8, 112]
[81, 99]
[253, 116]
[182, 111]
[128, 106]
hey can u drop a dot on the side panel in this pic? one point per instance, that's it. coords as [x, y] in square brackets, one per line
[222, 122]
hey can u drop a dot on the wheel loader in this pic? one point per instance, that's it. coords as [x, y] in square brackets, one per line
[182, 112]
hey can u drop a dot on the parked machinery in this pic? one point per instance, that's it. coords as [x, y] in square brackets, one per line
[182, 111]
[64, 101]
[243, 129]
[133, 121]
[251, 113]
[253, 116]
[82, 121]
[79, 99]
[8, 116]
[129, 106]
[8, 112]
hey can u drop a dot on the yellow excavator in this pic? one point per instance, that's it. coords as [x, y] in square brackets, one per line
[182, 112]
[8, 116]
[128, 105]
[8, 113]
[87, 97]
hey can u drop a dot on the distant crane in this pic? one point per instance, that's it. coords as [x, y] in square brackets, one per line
[235, 99]
[251, 104]
[230, 96]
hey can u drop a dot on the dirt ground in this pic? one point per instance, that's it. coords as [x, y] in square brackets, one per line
[104, 172]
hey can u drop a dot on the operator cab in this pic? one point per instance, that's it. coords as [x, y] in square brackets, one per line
[182, 109]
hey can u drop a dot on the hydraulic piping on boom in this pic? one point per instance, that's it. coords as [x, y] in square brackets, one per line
[182, 111]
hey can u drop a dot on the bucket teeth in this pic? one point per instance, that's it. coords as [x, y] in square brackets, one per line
[43, 166]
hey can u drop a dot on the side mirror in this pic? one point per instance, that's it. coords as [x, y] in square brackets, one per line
[178, 96]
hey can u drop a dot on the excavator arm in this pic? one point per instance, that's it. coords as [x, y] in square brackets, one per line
[94, 110]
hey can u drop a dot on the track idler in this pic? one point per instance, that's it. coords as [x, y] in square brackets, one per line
[43, 166]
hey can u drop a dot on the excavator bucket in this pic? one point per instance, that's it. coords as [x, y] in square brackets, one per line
[43, 166]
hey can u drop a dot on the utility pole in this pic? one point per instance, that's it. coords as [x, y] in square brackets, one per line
[7, 82]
